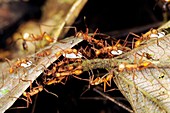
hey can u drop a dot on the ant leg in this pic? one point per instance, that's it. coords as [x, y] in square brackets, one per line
[135, 58]
[29, 100]
[90, 80]
[113, 89]
[125, 41]
[117, 42]
[41, 32]
[24, 38]
[108, 82]
[40, 28]
[97, 51]
[133, 77]
[46, 89]
[140, 61]
[11, 69]
[22, 107]
[131, 33]
[24, 43]
[94, 32]
[80, 78]
[105, 82]
[86, 51]
[75, 30]
[27, 81]
[88, 88]
[14, 43]
[50, 92]
[160, 46]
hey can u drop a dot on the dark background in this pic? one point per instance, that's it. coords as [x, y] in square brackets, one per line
[109, 16]
[115, 18]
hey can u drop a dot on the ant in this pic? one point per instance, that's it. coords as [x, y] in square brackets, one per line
[86, 36]
[54, 81]
[70, 70]
[66, 51]
[49, 72]
[142, 64]
[25, 37]
[19, 63]
[148, 56]
[32, 38]
[111, 50]
[61, 63]
[66, 68]
[86, 51]
[43, 35]
[34, 91]
[44, 53]
[106, 79]
[28, 95]
[103, 50]
[66, 73]
[90, 39]
[144, 37]
[58, 67]
[70, 53]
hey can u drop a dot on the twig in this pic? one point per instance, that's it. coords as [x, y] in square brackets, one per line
[113, 100]
[34, 105]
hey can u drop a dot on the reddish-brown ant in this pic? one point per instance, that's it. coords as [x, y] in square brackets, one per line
[70, 70]
[26, 38]
[86, 51]
[69, 53]
[61, 63]
[65, 68]
[143, 37]
[34, 91]
[106, 79]
[90, 39]
[110, 50]
[19, 63]
[66, 73]
[87, 37]
[54, 81]
[142, 64]
[49, 72]
[44, 53]
[43, 35]
[33, 38]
